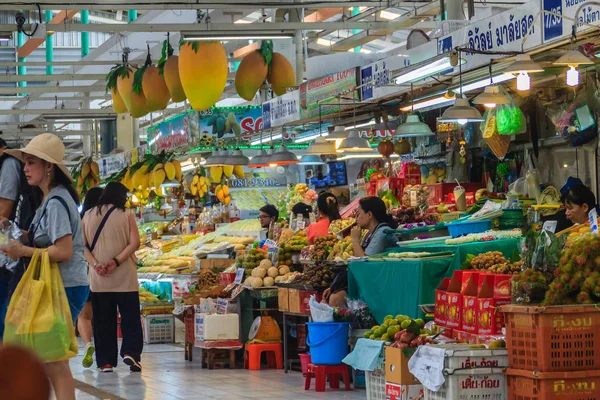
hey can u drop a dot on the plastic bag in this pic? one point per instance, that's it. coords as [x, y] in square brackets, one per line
[518, 187]
[38, 316]
[9, 231]
[320, 312]
[575, 120]
[488, 125]
[510, 120]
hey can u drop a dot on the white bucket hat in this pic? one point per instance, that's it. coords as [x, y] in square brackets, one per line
[47, 147]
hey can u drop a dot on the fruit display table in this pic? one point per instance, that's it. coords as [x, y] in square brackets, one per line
[392, 287]
[396, 287]
[505, 246]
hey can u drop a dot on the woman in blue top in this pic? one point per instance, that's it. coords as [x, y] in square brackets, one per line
[56, 227]
[372, 215]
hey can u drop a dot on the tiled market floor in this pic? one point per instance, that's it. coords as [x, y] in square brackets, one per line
[167, 376]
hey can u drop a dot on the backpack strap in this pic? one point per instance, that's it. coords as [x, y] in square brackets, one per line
[100, 228]
[33, 228]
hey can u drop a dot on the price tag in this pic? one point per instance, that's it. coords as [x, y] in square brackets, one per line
[270, 244]
[549, 226]
[593, 217]
[239, 276]
[222, 305]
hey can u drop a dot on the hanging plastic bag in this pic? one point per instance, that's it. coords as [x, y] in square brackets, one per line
[575, 120]
[38, 316]
[320, 312]
[488, 125]
[510, 120]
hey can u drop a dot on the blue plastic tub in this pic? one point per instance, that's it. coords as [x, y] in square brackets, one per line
[457, 229]
[328, 342]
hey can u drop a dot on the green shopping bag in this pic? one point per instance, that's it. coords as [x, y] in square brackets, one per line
[38, 316]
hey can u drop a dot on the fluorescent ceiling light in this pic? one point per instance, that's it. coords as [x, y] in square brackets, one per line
[311, 137]
[366, 155]
[324, 42]
[360, 125]
[428, 103]
[426, 71]
[265, 140]
[261, 36]
[442, 100]
[242, 21]
[389, 15]
[485, 82]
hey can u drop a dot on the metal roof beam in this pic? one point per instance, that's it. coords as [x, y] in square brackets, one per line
[185, 4]
[215, 29]
[51, 78]
[52, 89]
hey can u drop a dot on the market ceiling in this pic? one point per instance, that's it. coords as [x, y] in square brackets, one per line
[377, 26]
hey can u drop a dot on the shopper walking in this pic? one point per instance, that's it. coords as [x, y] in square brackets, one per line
[15, 195]
[111, 238]
[56, 226]
[84, 322]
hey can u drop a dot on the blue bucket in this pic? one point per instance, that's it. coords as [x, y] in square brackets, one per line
[328, 342]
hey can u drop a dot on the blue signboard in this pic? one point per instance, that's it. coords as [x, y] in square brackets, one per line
[366, 90]
[553, 27]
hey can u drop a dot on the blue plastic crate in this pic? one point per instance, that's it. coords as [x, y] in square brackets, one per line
[457, 229]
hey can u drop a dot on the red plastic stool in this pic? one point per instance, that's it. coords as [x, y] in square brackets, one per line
[322, 372]
[253, 353]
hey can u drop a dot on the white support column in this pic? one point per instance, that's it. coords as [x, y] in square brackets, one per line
[127, 131]
[87, 126]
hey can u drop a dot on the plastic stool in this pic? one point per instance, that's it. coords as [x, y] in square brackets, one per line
[322, 372]
[254, 351]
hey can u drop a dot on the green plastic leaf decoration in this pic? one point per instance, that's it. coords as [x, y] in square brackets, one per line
[266, 50]
[113, 75]
[138, 77]
[167, 52]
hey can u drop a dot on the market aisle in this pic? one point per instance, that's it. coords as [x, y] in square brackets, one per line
[167, 376]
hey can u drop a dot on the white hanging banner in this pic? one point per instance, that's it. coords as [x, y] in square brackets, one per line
[502, 32]
[556, 27]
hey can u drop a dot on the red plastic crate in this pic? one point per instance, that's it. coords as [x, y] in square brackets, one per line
[553, 338]
[528, 385]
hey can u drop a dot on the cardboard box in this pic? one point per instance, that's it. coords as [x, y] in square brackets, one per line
[441, 303]
[455, 301]
[283, 299]
[209, 263]
[491, 295]
[402, 392]
[217, 327]
[299, 300]
[470, 311]
[491, 321]
[464, 337]
[396, 367]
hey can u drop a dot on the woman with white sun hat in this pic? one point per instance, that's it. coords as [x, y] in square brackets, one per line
[56, 227]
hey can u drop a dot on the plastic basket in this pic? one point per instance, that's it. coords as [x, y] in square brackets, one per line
[554, 338]
[459, 356]
[528, 385]
[375, 383]
[158, 328]
[457, 229]
[471, 384]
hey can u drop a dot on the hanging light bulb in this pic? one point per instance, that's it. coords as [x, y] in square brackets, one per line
[489, 105]
[462, 121]
[523, 81]
[572, 76]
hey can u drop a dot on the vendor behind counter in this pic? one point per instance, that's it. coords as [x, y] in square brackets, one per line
[578, 200]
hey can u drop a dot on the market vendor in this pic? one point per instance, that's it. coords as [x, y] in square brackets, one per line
[329, 211]
[302, 209]
[372, 215]
[267, 215]
[579, 200]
